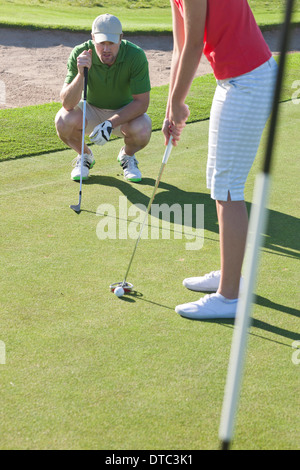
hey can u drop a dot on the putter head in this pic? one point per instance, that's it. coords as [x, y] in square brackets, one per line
[126, 286]
[75, 208]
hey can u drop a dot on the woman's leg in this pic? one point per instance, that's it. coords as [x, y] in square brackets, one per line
[233, 225]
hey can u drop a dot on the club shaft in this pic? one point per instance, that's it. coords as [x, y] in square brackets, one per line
[146, 216]
[164, 162]
[83, 129]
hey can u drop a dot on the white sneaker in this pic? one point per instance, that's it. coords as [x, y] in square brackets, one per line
[88, 162]
[207, 283]
[210, 307]
[130, 167]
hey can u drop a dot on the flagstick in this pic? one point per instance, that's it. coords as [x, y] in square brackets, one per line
[257, 226]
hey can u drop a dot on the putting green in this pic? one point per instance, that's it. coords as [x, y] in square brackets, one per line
[87, 370]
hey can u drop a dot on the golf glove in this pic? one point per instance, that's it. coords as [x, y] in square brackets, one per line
[101, 134]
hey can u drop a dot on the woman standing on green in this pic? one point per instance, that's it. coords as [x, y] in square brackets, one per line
[227, 33]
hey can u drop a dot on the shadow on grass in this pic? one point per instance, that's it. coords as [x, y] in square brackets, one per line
[281, 236]
[264, 302]
[134, 295]
[255, 323]
[166, 194]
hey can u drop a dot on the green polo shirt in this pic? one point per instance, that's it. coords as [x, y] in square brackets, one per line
[112, 87]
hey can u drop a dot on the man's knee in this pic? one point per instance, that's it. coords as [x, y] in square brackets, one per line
[67, 120]
[139, 128]
[59, 121]
[146, 127]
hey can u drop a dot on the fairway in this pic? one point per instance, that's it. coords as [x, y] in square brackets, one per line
[86, 370]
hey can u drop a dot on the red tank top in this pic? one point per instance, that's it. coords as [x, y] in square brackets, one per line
[233, 42]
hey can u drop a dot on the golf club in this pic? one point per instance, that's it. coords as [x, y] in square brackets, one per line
[125, 284]
[76, 208]
[257, 225]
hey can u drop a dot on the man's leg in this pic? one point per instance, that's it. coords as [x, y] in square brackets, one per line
[137, 134]
[69, 128]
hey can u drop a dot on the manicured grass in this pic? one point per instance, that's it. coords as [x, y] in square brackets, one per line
[30, 130]
[85, 370]
[148, 16]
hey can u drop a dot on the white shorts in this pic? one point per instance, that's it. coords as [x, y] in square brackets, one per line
[95, 116]
[239, 112]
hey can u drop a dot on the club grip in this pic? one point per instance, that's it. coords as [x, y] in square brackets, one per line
[86, 72]
[168, 150]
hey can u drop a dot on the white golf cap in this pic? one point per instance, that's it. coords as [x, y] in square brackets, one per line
[107, 28]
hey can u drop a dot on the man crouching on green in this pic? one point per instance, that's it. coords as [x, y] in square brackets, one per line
[118, 95]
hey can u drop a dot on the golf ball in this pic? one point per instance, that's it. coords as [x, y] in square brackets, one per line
[119, 291]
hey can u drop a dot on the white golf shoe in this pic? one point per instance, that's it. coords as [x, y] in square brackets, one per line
[207, 283]
[130, 167]
[88, 162]
[210, 307]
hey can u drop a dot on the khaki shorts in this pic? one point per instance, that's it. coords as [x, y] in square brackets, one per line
[95, 116]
